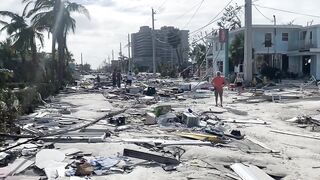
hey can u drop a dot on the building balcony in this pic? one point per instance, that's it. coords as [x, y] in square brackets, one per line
[302, 45]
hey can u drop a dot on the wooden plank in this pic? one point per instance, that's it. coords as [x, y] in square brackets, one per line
[295, 134]
[201, 137]
[250, 172]
[246, 121]
[166, 142]
[16, 167]
[149, 157]
[261, 144]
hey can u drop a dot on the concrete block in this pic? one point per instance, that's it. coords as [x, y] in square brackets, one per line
[190, 119]
[150, 119]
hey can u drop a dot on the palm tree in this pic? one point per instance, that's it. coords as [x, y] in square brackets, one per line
[6, 52]
[55, 17]
[22, 35]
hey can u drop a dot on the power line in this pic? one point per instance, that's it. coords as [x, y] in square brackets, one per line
[287, 11]
[159, 7]
[162, 4]
[193, 15]
[188, 11]
[262, 13]
[213, 19]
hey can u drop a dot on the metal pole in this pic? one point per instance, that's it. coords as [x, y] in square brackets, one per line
[226, 50]
[120, 58]
[248, 42]
[81, 70]
[207, 60]
[274, 42]
[129, 59]
[153, 44]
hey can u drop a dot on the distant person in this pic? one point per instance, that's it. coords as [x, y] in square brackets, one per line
[218, 83]
[129, 79]
[98, 78]
[114, 78]
[119, 78]
[278, 76]
[239, 83]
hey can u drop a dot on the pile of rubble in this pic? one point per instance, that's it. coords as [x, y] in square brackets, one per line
[153, 123]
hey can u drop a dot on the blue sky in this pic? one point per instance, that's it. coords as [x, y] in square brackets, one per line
[112, 20]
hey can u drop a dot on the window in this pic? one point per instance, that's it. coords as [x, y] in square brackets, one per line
[267, 40]
[221, 46]
[220, 66]
[285, 36]
[310, 35]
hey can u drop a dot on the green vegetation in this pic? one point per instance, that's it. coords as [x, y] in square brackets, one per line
[26, 74]
[236, 50]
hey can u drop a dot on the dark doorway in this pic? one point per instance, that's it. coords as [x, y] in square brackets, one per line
[267, 59]
[285, 63]
[306, 61]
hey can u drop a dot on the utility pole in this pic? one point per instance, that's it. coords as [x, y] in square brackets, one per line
[274, 41]
[153, 45]
[129, 59]
[247, 67]
[112, 55]
[226, 53]
[120, 58]
[81, 70]
[206, 58]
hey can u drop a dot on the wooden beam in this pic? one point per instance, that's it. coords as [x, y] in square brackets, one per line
[295, 134]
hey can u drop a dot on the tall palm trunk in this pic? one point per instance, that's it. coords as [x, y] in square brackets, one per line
[61, 58]
[53, 55]
[54, 30]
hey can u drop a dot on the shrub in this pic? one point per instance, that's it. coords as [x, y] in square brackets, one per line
[9, 110]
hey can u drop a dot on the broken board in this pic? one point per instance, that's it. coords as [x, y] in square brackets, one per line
[201, 137]
[250, 172]
[150, 157]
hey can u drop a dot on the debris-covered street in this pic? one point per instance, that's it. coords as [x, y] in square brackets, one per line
[176, 132]
[159, 90]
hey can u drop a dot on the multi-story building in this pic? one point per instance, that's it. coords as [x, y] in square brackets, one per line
[141, 46]
[290, 48]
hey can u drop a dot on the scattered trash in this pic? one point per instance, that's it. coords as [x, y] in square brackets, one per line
[46, 156]
[166, 119]
[150, 119]
[190, 119]
[120, 120]
[162, 109]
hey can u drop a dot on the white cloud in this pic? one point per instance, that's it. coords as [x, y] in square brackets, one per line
[112, 20]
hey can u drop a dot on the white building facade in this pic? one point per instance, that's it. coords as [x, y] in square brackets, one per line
[293, 49]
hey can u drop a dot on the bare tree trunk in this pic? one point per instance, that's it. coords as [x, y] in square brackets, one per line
[56, 9]
[60, 59]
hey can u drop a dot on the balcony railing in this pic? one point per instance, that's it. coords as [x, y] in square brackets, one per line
[306, 45]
